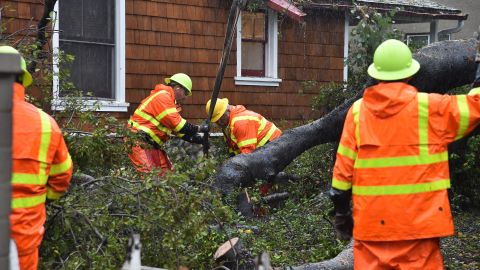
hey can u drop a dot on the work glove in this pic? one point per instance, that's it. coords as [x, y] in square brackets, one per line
[343, 226]
[203, 128]
[197, 139]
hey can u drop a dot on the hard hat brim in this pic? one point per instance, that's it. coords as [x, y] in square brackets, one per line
[222, 110]
[168, 80]
[26, 78]
[394, 75]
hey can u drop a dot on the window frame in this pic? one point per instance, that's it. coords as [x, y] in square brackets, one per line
[118, 104]
[417, 35]
[271, 55]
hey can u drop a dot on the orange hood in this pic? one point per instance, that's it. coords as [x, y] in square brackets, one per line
[387, 99]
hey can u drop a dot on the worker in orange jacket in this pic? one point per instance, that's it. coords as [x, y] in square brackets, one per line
[42, 169]
[243, 130]
[393, 160]
[157, 118]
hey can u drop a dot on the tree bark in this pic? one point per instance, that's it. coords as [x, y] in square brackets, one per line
[343, 261]
[444, 66]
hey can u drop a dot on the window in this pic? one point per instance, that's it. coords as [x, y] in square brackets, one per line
[94, 32]
[418, 40]
[443, 37]
[257, 49]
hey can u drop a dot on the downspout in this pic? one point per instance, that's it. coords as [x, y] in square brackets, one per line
[433, 31]
[460, 24]
[9, 66]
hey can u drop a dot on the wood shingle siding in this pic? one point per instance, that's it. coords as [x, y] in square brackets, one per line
[165, 37]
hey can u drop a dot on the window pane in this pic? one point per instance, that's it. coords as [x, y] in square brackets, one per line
[87, 20]
[92, 69]
[70, 16]
[418, 41]
[443, 37]
[99, 20]
[253, 26]
[253, 59]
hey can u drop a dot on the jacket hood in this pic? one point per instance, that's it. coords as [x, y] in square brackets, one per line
[387, 99]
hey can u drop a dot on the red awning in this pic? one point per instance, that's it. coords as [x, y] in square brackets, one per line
[289, 8]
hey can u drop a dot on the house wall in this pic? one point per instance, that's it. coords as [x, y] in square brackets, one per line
[471, 7]
[164, 37]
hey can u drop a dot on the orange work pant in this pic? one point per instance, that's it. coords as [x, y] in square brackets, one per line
[28, 261]
[147, 160]
[421, 254]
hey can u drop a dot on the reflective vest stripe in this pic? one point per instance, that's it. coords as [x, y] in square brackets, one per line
[45, 138]
[263, 123]
[150, 99]
[347, 152]
[402, 161]
[247, 142]
[464, 116]
[424, 158]
[53, 195]
[401, 189]
[28, 201]
[356, 113]
[180, 125]
[245, 117]
[423, 122]
[29, 179]
[161, 115]
[61, 167]
[341, 185]
[269, 134]
[146, 130]
[153, 121]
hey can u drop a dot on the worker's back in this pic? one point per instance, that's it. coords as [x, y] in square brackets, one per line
[42, 169]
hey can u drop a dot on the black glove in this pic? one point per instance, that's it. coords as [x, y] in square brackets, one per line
[203, 128]
[197, 139]
[343, 215]
[344, 226]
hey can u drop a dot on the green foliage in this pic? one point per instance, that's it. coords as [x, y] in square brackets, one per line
[331, 95]
[372, 29]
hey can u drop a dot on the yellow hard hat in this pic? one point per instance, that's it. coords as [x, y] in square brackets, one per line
[26, 77]
[393, 61]
[220, 108]
[182, 79]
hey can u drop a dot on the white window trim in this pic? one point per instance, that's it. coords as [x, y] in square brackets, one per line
[117, 105]
[417, 35]
[271, 55]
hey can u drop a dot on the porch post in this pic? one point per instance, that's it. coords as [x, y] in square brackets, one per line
[9, 66]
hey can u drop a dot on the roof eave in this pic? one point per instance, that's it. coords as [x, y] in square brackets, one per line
[414, 13]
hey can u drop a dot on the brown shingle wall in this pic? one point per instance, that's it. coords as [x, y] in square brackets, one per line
[165, 37]
[20, 15]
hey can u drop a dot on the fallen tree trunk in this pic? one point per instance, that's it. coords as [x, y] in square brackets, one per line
[343, 261]
[444, 66]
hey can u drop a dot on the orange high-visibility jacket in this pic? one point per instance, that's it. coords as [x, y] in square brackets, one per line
[248, 130]
[393, 156]
[157, 115]
[42, 169]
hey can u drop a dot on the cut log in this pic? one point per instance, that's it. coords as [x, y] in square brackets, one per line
[233, 255]
[444, 66]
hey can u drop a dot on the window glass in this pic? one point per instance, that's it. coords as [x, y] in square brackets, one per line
[253, 43]
[87, 31]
